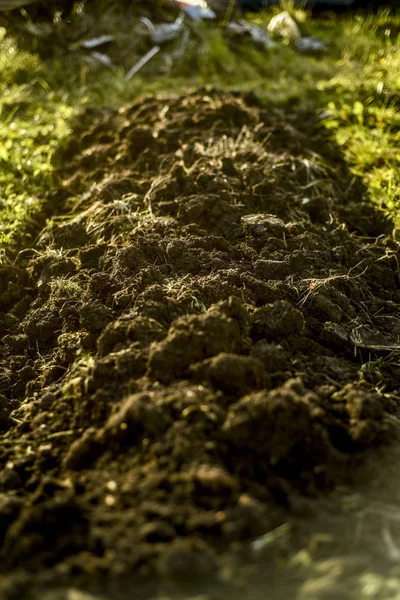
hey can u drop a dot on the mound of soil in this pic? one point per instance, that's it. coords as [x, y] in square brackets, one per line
[205, 337]
[57, 28]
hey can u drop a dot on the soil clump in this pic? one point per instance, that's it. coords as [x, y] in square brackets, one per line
[205, 336]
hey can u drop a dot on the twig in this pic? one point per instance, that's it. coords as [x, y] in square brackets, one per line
[141, 63]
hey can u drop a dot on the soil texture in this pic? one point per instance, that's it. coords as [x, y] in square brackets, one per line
[202, 342]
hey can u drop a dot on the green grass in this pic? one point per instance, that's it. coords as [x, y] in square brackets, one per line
[33, 120]
[355, 82]
[364, 110]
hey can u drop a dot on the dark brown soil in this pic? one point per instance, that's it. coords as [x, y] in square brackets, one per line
[204, 339]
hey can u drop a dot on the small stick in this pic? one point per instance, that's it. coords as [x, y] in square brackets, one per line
[145, 59]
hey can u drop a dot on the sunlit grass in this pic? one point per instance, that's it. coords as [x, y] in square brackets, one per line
[33, 120]
[355, 83]
[364, 110]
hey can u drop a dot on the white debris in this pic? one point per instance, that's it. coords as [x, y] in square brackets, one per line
[97, 41]
[141, 63]
[196, 9]
[165, 32]
[310, 44]
[256, 33]
[285, 27]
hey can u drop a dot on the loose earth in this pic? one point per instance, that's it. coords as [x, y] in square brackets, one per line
[199, 342]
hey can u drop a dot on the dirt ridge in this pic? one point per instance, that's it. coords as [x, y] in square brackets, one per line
[204, 338]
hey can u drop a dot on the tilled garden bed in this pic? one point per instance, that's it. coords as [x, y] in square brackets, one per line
[201, 344]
